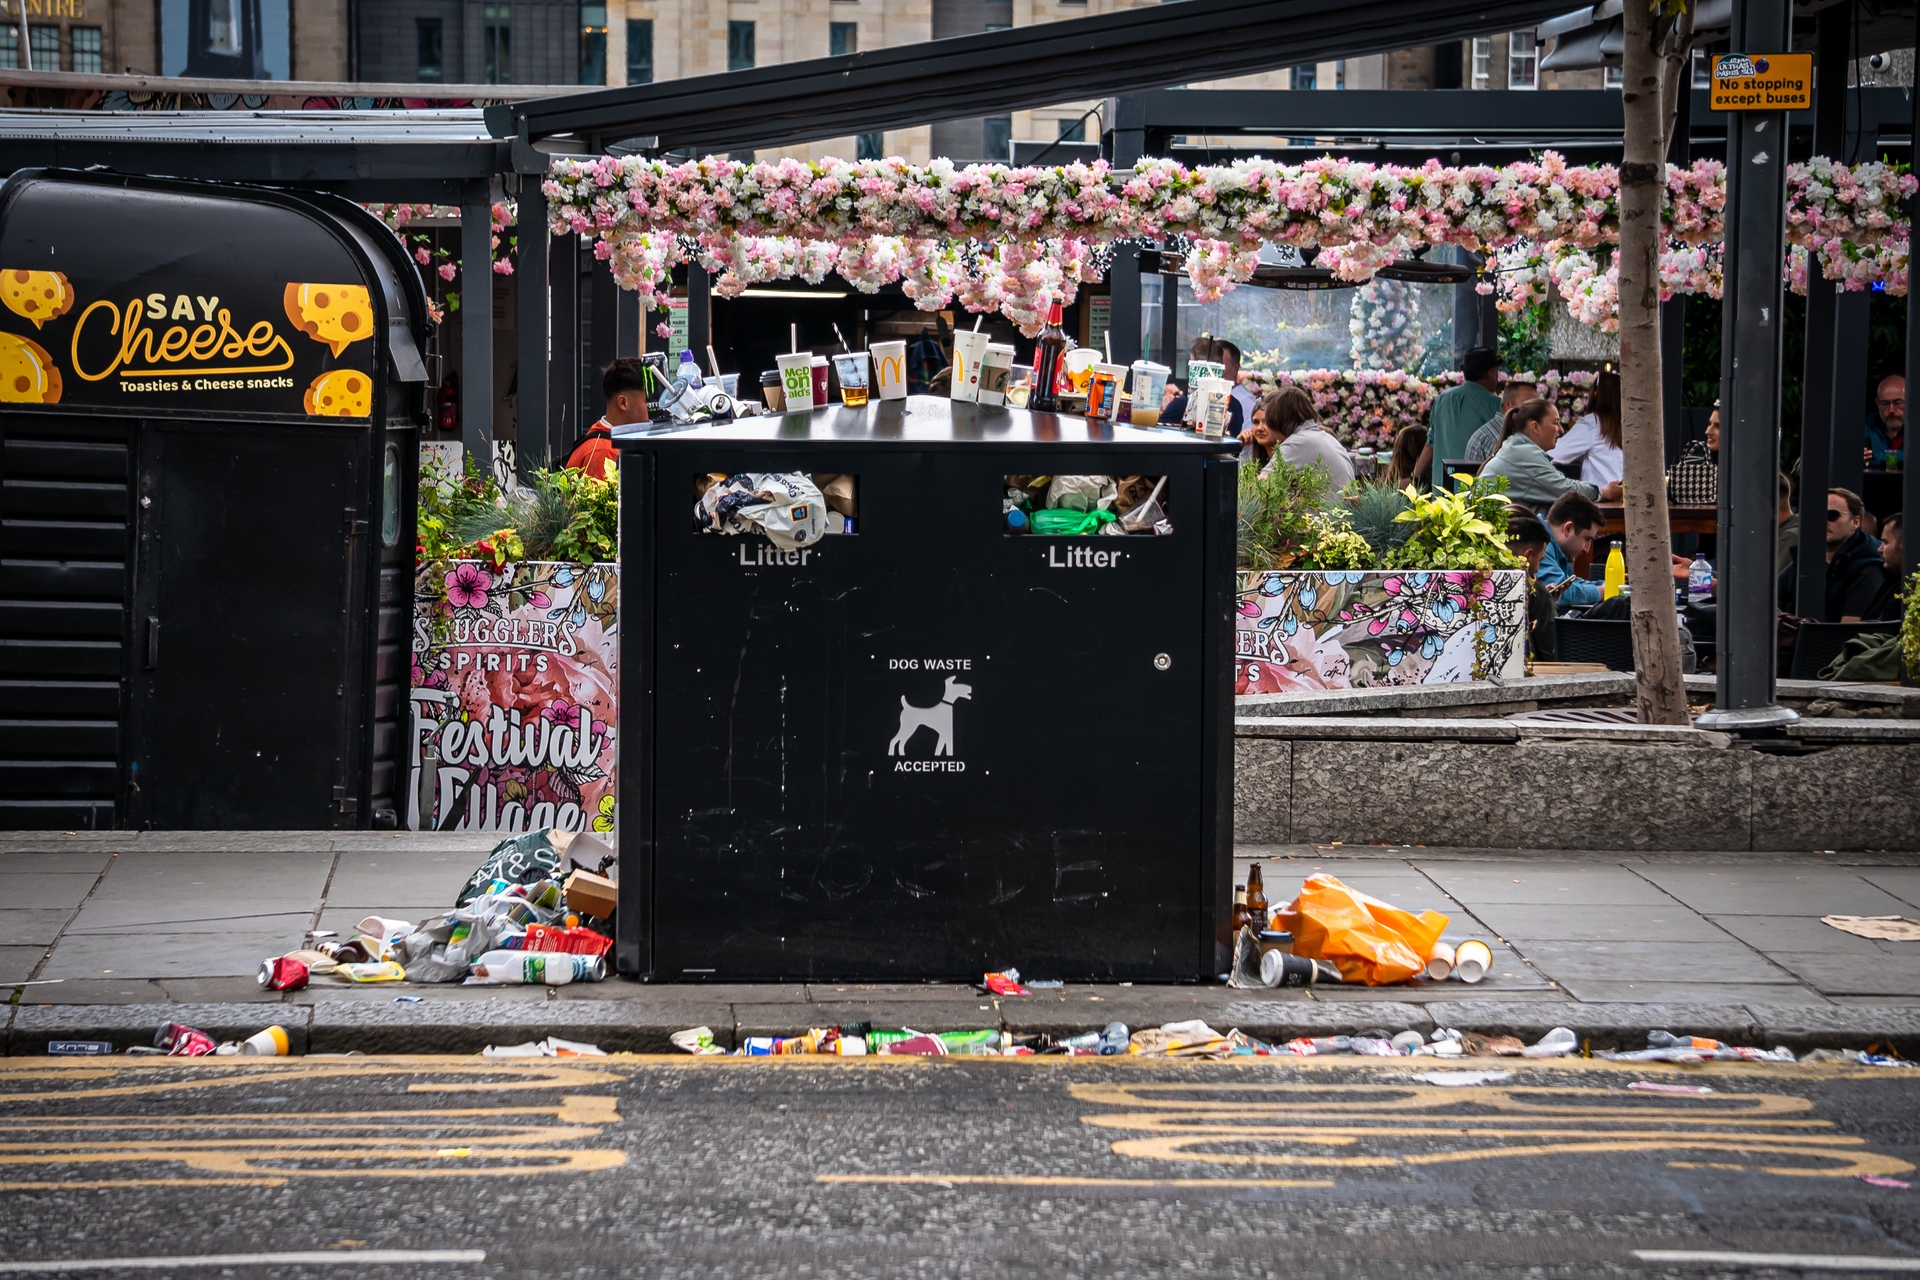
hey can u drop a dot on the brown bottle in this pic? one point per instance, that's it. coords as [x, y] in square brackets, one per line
[1048, 354]
[1257, 913]
[1240, 915]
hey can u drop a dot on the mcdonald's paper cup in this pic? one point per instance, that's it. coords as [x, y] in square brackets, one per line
[996, 368]
[796, 379]
[271, 1043]
[969, 352]
[890, 369]
[1471, 960]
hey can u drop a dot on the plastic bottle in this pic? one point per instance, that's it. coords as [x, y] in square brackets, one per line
[554, 968]
[1699, 580]
[1616, 574]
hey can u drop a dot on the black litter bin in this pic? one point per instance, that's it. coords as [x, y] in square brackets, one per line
[929, 747]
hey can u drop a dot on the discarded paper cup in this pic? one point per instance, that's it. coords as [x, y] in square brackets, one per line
[890, 369]
[852, 368]
[819, 369]
[1440, 963]
[271, 1043]
[1149, 387]
[996, 368]
[1216, 397]
[969, 353]
[1471, 960]
[796, 380]
[771, 390]
[1283, 969]
[1077, 370]
[383, 928]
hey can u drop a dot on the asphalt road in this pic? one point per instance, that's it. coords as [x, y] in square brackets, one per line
[654, 1167]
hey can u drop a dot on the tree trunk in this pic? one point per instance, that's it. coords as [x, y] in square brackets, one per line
[1660, 693]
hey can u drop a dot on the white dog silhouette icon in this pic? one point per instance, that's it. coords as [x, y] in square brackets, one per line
[938, 717]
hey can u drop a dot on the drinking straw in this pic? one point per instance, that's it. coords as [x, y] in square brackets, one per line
[841, 336]
[793, 336]
[1106, 336]
[976, 322]
[713, 365]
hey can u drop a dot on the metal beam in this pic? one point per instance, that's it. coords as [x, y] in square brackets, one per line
[476, 323]
[1750, 415]
[1154, 46]
[1910, 483]
[534, 444]
[1123, 277]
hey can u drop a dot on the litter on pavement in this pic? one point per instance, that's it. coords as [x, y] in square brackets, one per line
[1885, 928]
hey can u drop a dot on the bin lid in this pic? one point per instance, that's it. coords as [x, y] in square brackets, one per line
[918, 423]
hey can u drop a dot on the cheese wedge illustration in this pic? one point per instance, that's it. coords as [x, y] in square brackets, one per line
[340, 393]
[336, 314]
[27, 373]
[40, 296]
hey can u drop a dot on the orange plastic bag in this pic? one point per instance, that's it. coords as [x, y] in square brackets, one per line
[1369, 941]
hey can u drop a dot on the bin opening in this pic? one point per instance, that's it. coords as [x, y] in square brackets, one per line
[1077, 506]
[790, 507]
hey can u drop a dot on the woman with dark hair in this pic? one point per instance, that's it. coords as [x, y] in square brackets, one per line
[1288, 414]
[1258, 445]
[1527, 433]
[1407, 449]
[1594, 442]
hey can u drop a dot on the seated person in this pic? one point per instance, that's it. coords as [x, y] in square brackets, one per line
[1855, 572]
[1288, 414]
[1572, 523]
[1887, 605]
[1787, 526]
[1527, 538]
[1695, 480]
[1409, 446]
[1531, 429]
[1482, 443]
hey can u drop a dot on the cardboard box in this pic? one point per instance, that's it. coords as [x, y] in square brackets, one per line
[592, 895]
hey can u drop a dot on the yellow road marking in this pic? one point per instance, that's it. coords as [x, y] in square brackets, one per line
[1059, 1180]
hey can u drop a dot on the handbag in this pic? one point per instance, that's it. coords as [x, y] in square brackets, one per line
[1694, 481]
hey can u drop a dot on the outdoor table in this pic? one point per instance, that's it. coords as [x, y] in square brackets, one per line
[929, 748]
[1680, 519]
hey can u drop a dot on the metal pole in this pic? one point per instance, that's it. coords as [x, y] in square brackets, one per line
[536, 447]
[1673, 313]
[699, 313]
[476, 322]
[1832, 45]
[1910, 482]
[26, 39]
[1750, 413]
[1123, 276]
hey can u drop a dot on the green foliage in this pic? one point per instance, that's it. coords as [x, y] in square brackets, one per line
[1465, 529]
[1337, 546]
[1277, 506]
[567, 515]
[1375, 516]
[1526, 337]
[1910, 627]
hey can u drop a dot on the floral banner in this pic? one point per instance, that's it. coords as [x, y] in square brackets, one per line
[1302, 629]
[1014, 239]
[514, 697]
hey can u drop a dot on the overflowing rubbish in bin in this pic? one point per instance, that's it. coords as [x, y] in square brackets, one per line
[792, 509]
[1073, 506]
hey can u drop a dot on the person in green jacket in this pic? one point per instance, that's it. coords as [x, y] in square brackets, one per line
[1532, 480]
[1460, 411]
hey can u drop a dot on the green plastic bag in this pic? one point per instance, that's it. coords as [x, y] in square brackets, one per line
[1058, 522]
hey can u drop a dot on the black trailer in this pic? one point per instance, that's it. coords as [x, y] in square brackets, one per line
[927, 748]
[209, 400]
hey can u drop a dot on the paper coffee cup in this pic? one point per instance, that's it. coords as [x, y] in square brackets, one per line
[796, 379]
[1216, 395]
[271, 1043]
[1440, 963]
[969, 352]
[890, 369]
[1149, 388]
[996, 368]
[1471, 960]
[820, 369]
[1283, 969]
[1077, 370]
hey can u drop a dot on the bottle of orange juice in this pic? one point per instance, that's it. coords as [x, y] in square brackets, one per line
[1616, 573]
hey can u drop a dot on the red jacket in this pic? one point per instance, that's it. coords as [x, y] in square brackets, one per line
[595, 452]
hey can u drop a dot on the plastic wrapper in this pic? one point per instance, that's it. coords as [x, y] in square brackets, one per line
[1082, 493]
[1148, 513]
[1369, 941]
[786, 506]
[1068, 523]
[523, 859]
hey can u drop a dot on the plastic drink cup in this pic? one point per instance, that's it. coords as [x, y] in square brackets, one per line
[1215, 397]
[730, 383]
[969, 353]
[1103, 392]
[1198, 369]
[796, 380]
[819, 369]
[996, 368]
[890, 369]
[852, 368]
[271, 1043]
[1471, 960]
[1149, 388]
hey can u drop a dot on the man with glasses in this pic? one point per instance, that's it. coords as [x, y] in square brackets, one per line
[1856, 575]
[1887, 425]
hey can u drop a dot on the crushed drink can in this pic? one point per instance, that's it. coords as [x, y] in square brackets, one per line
[178, 1040]
[282, 973]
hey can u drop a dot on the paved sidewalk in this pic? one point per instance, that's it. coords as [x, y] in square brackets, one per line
[117, 931]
